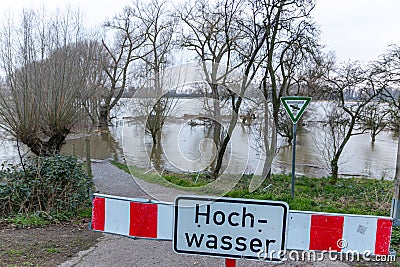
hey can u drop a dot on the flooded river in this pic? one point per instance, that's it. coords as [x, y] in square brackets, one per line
[188, 148]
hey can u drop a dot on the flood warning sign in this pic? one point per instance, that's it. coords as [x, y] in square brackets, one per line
[227, 227]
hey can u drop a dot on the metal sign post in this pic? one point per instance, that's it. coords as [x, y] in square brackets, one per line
[293, 158]
[295, 107]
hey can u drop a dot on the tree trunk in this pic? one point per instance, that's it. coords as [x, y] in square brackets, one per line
[104, 116]
[225, 142]
[47, 148]
[373, 137]
[270, 150]
[154, 138]
[155, 157]
[335, 171]
[374, 133]
[56, 141]
[289, 140]
[396, 194]
[220, 155]
[216, 127]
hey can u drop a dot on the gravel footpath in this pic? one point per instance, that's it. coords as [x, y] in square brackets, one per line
[119, 251]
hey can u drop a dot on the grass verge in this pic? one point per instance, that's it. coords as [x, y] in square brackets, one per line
[40, 219]
[348, 195]
[189, 181]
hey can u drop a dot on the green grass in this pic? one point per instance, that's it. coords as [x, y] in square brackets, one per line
[188, 181]
[40, 219]
[15, 252]
[27, 220]
[139, 173]
[53, 250]
[348, 195]
[84, 213]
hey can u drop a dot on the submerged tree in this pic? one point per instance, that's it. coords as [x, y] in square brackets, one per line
[128, 37]
[290, 49]
[267, 39]
[214, 35]
[375, 118]
[389, 67]
[350, 82]
[156, 54]
[46, 75]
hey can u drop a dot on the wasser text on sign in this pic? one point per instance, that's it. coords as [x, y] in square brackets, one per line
[229, 227]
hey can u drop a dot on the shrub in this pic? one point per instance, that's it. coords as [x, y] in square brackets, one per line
[50, 184]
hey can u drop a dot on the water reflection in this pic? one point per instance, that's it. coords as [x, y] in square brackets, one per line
[103, 145]
[192, 149]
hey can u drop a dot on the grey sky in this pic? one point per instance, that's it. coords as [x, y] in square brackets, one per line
[354, 29]
[358, 29]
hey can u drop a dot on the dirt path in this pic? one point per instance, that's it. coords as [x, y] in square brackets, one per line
[118, 251]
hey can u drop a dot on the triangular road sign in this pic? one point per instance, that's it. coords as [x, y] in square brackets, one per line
[295, 106]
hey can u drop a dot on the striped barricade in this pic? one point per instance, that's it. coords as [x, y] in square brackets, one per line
[141, 218]
[131, 217]
[339, 232]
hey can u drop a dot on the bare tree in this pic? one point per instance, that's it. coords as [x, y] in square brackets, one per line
[156, 53]
[285, 125]
[389, 66]
[45, 75]
[231, 39]
[291, 45]
[91, 95]
[128, 36]
[213, 34]
[354, 88]
[334, 128]
[306, 79]
[375, 118]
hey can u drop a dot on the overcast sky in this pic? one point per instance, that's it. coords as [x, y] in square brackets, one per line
[354, 29]
[358, 29]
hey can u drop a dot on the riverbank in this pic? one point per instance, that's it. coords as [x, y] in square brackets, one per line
[348, 195]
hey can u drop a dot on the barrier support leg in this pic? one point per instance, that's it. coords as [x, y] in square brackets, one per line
[230, 263]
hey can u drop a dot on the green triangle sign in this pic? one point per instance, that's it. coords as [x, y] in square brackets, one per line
[295, 106]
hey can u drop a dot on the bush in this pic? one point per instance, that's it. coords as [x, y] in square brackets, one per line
[51, 184]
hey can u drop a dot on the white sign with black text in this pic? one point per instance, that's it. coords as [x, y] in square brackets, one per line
[228, 227]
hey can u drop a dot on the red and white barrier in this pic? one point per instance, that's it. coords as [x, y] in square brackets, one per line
[132, 217]
[339, 232]
[141, 218]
